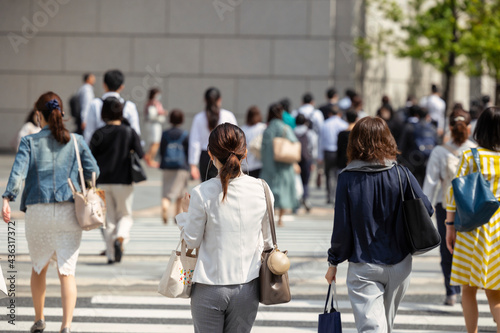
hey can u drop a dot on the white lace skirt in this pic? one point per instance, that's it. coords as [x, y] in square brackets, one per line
[52, 232]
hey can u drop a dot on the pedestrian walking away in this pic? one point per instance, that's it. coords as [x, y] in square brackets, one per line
[253, 129]
[173, 161]
[203, 123]
[475, 253]
[225, 217]
[280, 176]
[155, 117]
[113, 84]
[45, 161]
[112, 146]
[441, 169]
[368, 228]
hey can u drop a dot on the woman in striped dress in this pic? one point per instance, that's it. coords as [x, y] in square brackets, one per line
[476, 253]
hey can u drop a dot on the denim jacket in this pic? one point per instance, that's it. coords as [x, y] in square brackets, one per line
[46, 165]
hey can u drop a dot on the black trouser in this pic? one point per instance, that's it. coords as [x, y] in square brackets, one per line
[204, 164]
[254, 173]
[331, 173]
[305, 174]
[446, 256]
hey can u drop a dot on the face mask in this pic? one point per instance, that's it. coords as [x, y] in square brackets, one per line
[158, 97]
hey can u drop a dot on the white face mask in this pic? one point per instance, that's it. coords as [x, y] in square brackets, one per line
[158, 97]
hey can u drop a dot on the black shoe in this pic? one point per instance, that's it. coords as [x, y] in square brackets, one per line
[307, 205]
[110, 262]
[118, 249]
[38, 327]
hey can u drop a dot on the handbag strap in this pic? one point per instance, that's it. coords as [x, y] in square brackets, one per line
[475, 154]
[401, 183]
[80, 168]
[270, 213]
[332, 295]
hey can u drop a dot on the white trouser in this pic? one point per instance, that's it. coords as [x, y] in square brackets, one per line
[119, 198]
[375, 292]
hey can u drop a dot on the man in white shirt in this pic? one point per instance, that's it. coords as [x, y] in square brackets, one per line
[313, 115]
[436, 107]
[113, 85]
[327, 151]
[85, 97]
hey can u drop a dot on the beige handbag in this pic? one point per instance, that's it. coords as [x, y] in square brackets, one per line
[273, 275]
[90, 205]
[286, 151]
[177, 280]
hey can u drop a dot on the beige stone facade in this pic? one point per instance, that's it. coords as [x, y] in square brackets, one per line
[255, 51]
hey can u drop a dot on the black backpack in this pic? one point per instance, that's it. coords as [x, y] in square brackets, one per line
[174, 156]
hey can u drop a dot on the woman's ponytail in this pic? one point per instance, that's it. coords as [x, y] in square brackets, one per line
[51, 107]
[228, 144]
[459, 123]
[212, 97]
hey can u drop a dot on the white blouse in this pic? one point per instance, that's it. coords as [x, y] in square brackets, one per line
[198, 136]
[251, 132]
[232, 234]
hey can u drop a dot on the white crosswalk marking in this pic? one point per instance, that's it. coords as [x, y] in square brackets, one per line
[149, 236]
[295, 317]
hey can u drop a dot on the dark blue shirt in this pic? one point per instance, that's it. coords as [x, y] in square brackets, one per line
[368, 222]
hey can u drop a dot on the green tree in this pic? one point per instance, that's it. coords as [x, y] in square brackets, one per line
[481, 40]
[429, 31]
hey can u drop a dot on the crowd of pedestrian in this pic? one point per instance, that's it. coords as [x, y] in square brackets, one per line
[356, 155]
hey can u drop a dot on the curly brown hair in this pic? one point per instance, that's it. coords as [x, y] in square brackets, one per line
[371, 141]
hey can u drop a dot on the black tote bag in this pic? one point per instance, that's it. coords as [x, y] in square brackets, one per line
[420, 231]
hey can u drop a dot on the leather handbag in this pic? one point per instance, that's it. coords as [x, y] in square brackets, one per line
[138, 173]
[329, 321]
[420, 231]
[177, 280]
[286, 151]
[274, 288]
[475, 201]
[90, 204]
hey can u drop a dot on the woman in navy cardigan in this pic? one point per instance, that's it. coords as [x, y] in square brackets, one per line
[368, 227]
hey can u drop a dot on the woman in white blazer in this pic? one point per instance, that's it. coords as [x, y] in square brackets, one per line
[226, 218]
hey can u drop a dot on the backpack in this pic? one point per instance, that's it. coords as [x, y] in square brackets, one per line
[452, 161]
[175, 157]
[425, 138]
[305, 153]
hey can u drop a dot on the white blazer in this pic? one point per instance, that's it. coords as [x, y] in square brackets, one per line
[231, 235]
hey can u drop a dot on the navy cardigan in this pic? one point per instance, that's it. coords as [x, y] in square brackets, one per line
[368, 225]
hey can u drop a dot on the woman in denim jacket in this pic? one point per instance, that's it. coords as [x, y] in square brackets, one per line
[45, 161]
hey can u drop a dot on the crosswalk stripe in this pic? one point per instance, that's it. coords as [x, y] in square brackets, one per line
[293, 304]
[287, 318]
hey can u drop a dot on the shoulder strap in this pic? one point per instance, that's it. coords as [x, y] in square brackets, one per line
[270, 212]
[450, 149]
[475, 154]
[80, 168]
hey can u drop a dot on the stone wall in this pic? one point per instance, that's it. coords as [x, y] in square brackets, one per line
[255, 51]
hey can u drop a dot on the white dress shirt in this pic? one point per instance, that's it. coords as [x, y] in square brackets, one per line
[329, 135]
[251, 132]
[94, 121]
[312, 114]
[85, 97]
[198, 136]
[436, 107]
[231, 235]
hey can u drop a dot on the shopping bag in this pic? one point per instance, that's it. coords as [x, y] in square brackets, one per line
[176, 282]
[329, 320]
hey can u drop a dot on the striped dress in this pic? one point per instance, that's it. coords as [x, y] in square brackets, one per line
[476, 254]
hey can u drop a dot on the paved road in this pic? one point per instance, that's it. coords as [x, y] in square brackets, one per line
[123, 297]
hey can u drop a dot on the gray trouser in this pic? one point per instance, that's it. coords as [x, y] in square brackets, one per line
[375, 292]
[230, 308]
